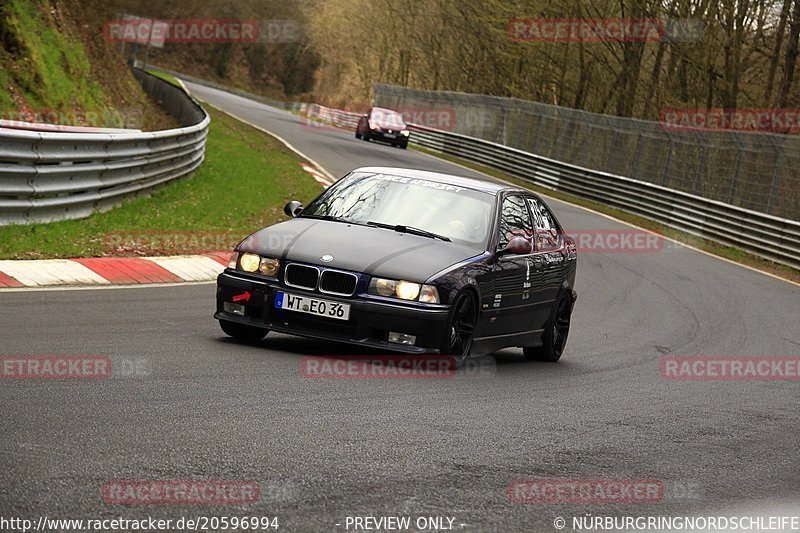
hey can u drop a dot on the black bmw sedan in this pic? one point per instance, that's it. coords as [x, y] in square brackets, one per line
[408, 261]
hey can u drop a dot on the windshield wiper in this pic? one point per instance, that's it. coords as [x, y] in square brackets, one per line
[327, 217]
[332, 218]
[409, 229]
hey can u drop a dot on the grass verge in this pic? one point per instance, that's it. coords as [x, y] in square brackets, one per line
[241, 186]
[164, 76]
[726, 252]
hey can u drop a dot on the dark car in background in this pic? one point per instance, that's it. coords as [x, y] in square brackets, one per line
[408, 261]
[383, 125]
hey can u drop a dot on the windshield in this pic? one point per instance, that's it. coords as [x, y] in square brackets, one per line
[458, 213]
[387, 118]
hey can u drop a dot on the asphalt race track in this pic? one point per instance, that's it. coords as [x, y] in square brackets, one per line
[202, 406]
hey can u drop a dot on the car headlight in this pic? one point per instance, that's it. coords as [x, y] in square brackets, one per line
[374, 126]
[269, 266]
[405, 133]
[255, 263]
[249, 262]
[405, 290]
[429, 294]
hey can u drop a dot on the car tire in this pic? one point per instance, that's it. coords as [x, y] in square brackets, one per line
[404, 146]
[457, 342]
[555, 334]
[358, 135]
[243, 332]
[365, 136]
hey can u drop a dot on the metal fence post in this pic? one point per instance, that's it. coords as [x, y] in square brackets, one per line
[635, 166]
[504, 132]
[776, 177]
[701, 167]
[538, 134]
[667, 160]
[736, 167]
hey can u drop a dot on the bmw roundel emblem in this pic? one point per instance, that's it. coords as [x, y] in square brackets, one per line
[327, 258]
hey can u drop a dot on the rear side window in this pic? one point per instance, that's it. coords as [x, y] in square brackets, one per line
[515, 220]
[547, 234]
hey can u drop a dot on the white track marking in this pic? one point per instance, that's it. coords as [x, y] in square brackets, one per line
[38, 273]
[190, 267]
[106, 287]
[322, 180]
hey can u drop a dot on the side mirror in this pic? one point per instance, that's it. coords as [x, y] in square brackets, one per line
[517, 245]
[293, 208]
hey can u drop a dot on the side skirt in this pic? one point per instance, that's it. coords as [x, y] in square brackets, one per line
[487, 345]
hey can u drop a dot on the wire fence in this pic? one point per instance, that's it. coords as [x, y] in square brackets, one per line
[758, 171]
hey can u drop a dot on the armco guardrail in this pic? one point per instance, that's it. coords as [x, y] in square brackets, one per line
[764, 235]
[47, 175]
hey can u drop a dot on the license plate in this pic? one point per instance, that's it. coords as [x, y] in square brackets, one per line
[312, 306]
[390, 135]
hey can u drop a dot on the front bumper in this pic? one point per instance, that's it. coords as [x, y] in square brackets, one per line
[369, 323]
[394, 137]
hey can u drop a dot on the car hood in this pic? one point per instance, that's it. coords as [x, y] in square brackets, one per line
[374, 251]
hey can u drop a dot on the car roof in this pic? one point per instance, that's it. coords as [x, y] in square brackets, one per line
[460, 181]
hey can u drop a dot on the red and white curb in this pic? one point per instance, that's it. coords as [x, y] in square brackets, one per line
[321, 178]
[107, 271]
[100, 271]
